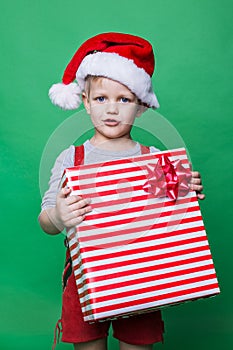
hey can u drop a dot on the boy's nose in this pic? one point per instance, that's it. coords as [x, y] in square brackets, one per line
[112, 108]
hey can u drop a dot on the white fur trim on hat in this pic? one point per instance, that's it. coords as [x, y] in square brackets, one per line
[121, 69]
[65, 96]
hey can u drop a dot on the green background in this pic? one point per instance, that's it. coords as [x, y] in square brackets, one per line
[193, 82]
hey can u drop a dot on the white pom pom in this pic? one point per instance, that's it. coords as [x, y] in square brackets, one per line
[65, 96]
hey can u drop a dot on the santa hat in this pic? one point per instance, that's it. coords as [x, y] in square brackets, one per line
[125, 58]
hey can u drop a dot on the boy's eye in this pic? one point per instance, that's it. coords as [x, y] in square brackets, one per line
[100, 98]
[124, 99]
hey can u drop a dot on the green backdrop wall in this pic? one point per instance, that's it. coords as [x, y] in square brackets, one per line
[193, 81]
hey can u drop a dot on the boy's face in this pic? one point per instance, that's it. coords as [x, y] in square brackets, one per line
[112, 107]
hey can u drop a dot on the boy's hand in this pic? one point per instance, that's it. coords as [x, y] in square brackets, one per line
[196, 185]
[71, 210]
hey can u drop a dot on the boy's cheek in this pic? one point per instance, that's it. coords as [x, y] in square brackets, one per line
[97, 110]
[97, 119]
[140, 110]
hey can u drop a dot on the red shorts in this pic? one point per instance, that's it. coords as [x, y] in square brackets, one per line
[137, 330]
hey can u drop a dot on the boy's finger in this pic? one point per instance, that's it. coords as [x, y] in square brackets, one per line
[73, 199]
[195, 180]
[80, 204]
[196, 174]
[64, 192]
[201, 196]
[197, 188]
[75, 221]
[79, 200]
[81, 212]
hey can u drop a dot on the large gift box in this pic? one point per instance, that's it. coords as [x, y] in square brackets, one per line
[144, 245]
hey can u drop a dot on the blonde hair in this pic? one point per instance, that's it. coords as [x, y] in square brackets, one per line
[88, 80]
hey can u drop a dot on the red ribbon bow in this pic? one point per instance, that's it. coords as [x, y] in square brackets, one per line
[167, 178]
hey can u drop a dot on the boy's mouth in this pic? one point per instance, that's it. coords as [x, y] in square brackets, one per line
[111, 122]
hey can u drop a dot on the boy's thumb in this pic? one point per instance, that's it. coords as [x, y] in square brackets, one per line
[64, 192]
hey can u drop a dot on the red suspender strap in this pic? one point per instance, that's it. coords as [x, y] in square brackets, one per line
[79, 155]
[145, 149]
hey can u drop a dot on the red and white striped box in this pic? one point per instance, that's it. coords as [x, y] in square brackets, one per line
[136, 252]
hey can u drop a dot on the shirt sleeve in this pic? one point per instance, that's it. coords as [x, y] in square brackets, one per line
[64, 160]
[153, 149]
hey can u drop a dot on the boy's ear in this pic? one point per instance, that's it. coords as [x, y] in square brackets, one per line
[141, 109]
[86, 102]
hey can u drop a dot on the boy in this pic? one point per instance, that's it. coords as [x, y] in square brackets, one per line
[113, 72]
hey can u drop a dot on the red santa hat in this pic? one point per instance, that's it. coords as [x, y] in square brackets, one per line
[125, 58]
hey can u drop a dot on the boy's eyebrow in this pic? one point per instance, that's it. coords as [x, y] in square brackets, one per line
[98, 91]
[127, 94]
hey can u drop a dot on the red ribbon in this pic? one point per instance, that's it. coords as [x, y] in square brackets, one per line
[167, 178]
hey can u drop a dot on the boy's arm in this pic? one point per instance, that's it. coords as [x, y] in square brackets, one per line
[68, 212]
[49, 222]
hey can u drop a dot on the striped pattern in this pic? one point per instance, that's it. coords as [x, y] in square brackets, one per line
[134, 252]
